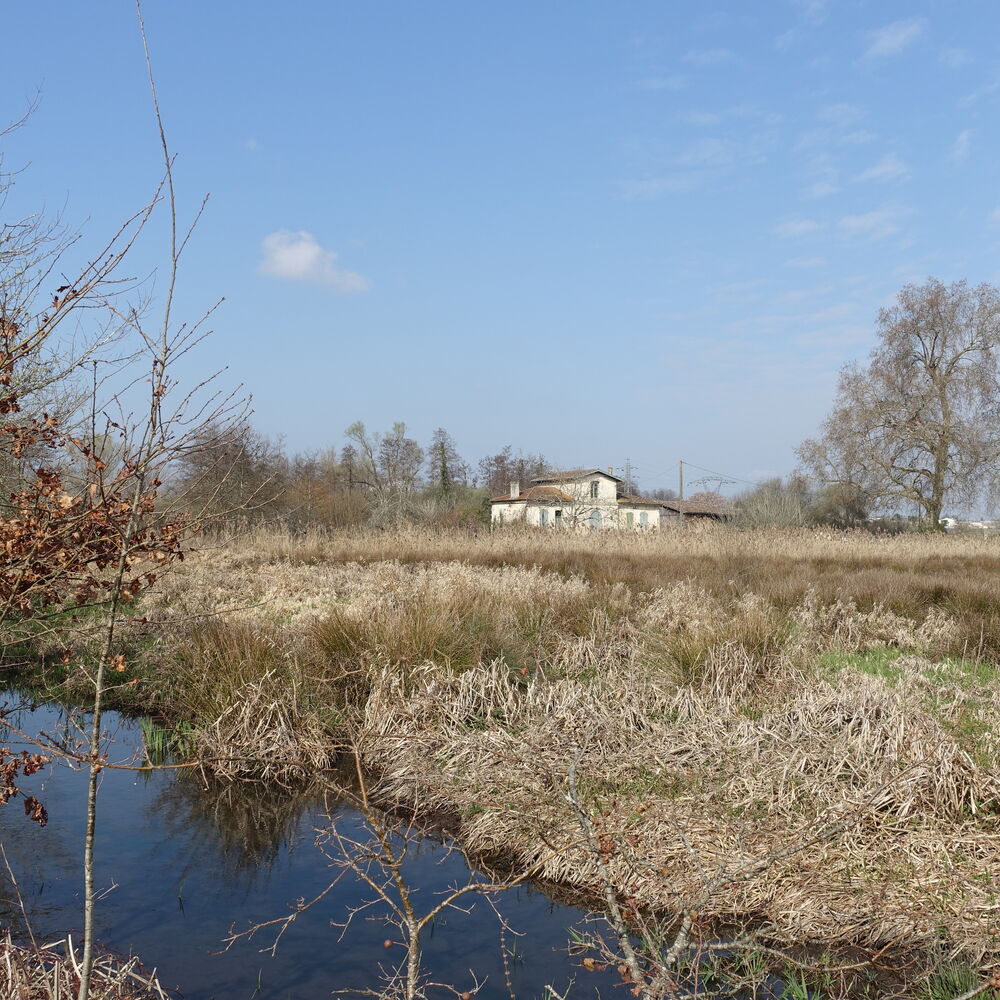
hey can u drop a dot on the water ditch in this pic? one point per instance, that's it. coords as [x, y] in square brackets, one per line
[181, 862]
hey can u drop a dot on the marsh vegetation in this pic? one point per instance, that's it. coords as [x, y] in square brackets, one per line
[786, 738]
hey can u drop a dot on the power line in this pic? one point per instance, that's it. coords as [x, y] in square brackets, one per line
[724, 475]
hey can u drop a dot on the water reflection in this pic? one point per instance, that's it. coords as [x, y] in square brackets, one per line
[185, 859]
[247, 827]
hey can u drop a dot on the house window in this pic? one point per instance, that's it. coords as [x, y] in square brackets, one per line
[543, 517]
[595, 519]
[594, 486]
[629, 519]
[558, 518]
[644, 519]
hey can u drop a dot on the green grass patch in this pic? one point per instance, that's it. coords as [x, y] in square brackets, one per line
[952, 980]
[879, 661]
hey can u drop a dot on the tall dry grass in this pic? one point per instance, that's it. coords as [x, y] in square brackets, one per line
[905, 573]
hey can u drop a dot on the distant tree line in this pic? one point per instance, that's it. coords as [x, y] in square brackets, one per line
[380, 478]
[915, 429]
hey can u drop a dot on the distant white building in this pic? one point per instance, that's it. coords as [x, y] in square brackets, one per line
[954, 524]
[591, 499]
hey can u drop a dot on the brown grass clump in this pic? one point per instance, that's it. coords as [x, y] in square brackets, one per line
[797, 729]
[52, 973]
[252, 712]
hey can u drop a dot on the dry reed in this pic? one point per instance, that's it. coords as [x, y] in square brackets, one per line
[52, 972]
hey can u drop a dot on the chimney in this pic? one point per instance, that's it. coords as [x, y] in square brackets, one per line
[515, 490]
[611, 470]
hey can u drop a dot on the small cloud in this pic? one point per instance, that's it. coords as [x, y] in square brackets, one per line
[702, 118]
[251, 143]
[670, 83]
[954, 58]
[876, 225]
[987, 90]
[857, 138]
[837, 127]
[708, 57]
[806, 262]
[962, 147]
[708, 153]
[824, 178]
[841, 114]
[812, 13]
[893, 38]
[796, 227]
[889, 168]
[297, 256]
[650, 188]
[821, 189]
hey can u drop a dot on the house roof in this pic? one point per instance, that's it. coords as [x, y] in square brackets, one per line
[568, 474]
[537, 493]
[698, 507]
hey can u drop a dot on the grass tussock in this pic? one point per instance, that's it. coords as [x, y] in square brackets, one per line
[246, 704]
[733, 694]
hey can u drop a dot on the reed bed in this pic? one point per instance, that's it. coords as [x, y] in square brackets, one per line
[51, 972]
[794, 729]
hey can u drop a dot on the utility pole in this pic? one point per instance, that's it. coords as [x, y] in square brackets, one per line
[680, 470]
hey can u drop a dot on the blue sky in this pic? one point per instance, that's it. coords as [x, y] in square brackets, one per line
[601, 231]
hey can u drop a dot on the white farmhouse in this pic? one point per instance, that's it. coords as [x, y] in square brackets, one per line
[589, 498]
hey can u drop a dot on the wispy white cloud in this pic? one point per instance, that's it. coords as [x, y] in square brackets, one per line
[995, 216]
[796, 227]
[813, 11]
[747, 112]
[297, 256]
[822, 189]
[875, 225]
[660, 169]
[980, 93]
[891, 39]
[673, 83]
[811, 14]
[961, 148]
[649, 188]
[701, 118]
[843, 115]
[955, 58]
[708, 57]
[837, 127]
[709, 153]
[889, 168]
[823, 176]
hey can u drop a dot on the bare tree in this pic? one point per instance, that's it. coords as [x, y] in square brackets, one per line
[228, 470]
[920, 424]
[497, 472]
[388, 467]
[775, 502]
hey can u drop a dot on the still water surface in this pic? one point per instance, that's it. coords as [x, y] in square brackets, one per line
[183, 862]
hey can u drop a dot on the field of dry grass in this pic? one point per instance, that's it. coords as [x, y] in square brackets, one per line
[797, 730]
